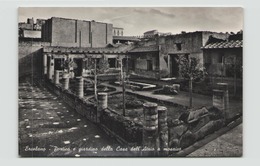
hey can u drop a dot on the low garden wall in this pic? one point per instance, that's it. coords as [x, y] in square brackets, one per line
[125, 130]
[83, 107]
[116, 125]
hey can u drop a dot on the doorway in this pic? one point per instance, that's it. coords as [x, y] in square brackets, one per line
[78, 67]
[174, 67]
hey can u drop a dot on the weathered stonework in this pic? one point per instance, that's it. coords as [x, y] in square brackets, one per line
[163, 130]
[150, 129]
[65, 81]
[102, 104]
[79, 87]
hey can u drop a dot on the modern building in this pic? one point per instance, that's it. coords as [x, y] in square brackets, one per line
[30, 31]
[118, 31]
[150, 34]
[65, 32]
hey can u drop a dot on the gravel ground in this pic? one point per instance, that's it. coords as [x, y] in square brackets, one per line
[227, 145]
[48, 127]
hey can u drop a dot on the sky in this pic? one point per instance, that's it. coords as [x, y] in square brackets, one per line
[137, 20]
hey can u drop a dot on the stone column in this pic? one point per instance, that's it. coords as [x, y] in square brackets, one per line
[102, 104]
[51, 69]
[56, 77]
[150, 129]
[44, 64]
[80, 87]
[163, 130]
[65, 81]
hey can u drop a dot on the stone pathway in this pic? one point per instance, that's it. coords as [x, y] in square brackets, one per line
[48, 127]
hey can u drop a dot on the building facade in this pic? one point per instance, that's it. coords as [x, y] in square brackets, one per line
[168, 50]
[223, 61]
[118, 31]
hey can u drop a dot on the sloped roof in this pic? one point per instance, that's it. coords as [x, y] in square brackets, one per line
[107, 50]
[145, 49]
[224, 44]
[151, 31]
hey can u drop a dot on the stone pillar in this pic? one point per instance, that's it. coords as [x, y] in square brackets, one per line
[80, 87]
[65, 80]
[102, 104]
[150, 129]
[56, 77]
[163, 130]
[224, 87]
[218, 100]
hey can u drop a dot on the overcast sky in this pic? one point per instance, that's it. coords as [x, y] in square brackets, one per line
[136, 21]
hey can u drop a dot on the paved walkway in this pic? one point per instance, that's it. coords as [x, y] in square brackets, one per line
[48, 127]
[229, 144]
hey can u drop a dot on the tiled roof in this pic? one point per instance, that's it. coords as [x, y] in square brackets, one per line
[145, 49]
[225, 44]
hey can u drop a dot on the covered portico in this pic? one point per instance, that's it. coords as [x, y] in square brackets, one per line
[56, 58]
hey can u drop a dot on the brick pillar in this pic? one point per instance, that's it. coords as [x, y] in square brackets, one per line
[102, 104]
[80, 87]
[65, 80]
[150, 129]
[163, 130]
[56, 77]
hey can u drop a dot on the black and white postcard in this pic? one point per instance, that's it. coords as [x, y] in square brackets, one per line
[130, 81]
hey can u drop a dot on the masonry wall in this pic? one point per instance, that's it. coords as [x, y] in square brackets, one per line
[124, 130]
[191, 44]
[140, 60]
[84, 108]
[101, 34]
[213, 59]
[31, 64]
[213, 65]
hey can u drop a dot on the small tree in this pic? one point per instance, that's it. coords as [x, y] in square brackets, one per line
[192, 70]
[101, 67]
[69, 63]
[96, 69]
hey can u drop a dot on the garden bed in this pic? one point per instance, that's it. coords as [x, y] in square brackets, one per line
[134, 106]
[89, 87]
[138, 86]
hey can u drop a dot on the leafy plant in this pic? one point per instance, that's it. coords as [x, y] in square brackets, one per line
[192, 70]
